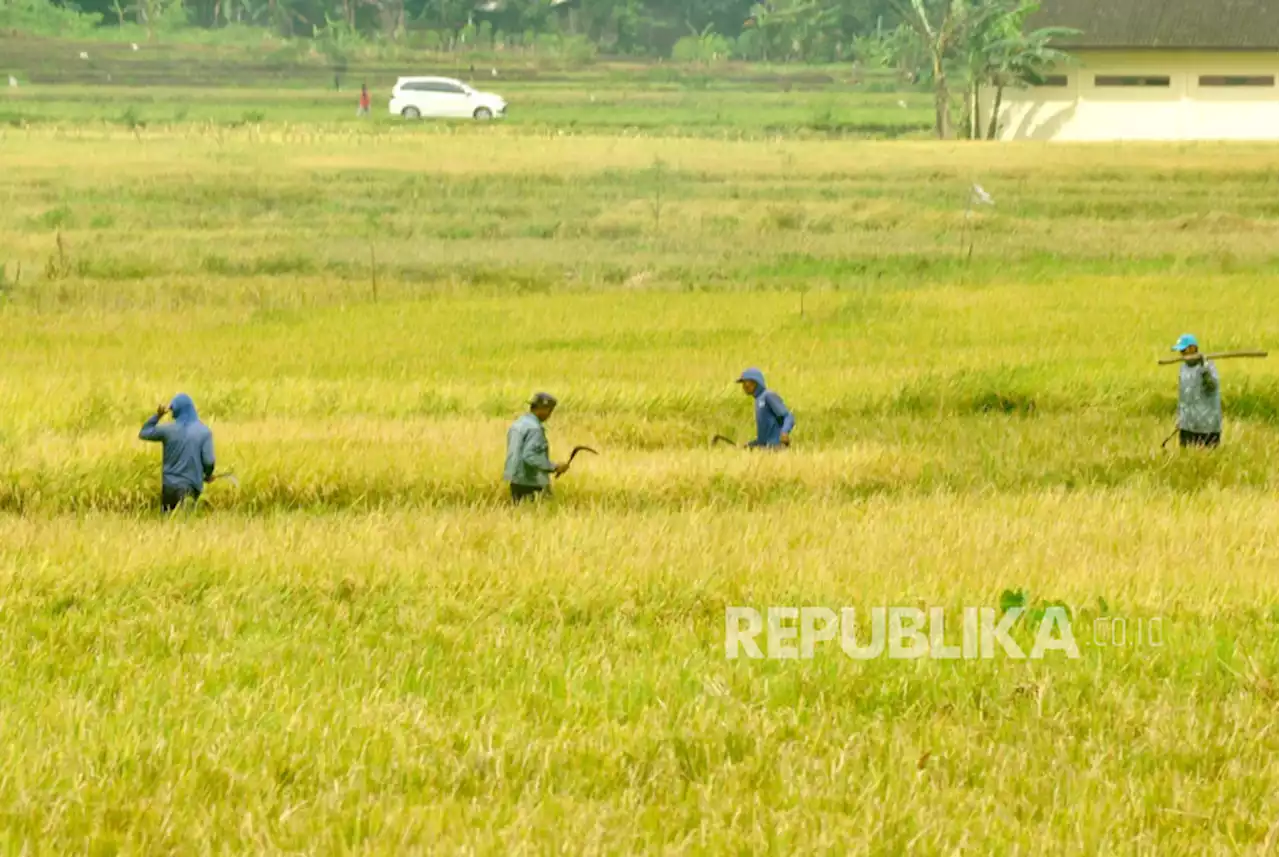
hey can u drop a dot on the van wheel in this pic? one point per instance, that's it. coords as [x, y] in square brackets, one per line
[411, 113]
[483, 114]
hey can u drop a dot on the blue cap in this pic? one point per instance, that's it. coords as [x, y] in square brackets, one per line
[1184, 342]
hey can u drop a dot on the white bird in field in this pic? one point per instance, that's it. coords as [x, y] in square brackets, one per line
[494, 72]
[13, 81]
[84, 55]
[134, 45]
[981, 197]
[902, 103]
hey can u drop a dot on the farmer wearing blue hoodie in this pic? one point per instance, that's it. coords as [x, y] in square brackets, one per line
[188, 451]
[774, 422]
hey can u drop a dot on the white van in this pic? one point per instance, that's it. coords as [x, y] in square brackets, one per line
[443, 98]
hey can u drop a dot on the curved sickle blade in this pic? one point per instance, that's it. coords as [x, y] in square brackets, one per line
[578, 449]
[719, 438]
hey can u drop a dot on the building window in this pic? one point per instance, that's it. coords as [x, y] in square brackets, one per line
[1130, 80]
[1237, 80]
[1052, 80]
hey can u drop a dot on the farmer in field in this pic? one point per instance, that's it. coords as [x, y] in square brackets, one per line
[1199, 396]
[188, 451]
[774, 423]
[363, 109]
[529, 465]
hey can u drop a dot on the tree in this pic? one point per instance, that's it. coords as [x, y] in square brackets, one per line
[983, 42]
[804, 30]
[939, 26]
[1021, 59]
[706, 48]
[794, 29]
[898, 49]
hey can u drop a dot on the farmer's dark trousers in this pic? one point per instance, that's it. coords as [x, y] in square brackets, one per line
[520, 493]
[1195, 438]
[172, 496]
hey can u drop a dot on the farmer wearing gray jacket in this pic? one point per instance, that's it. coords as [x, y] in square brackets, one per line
[188, 451]
[529, 466]
[1199, 396]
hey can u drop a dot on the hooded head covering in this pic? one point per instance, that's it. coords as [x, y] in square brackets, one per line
[184, 410]
[756, 375]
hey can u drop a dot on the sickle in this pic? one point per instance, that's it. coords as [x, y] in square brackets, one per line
[578, 449]
[719, 438]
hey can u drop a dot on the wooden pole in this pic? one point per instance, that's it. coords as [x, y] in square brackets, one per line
[1217, 355]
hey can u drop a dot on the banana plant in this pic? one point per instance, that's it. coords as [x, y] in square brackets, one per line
[1021, 60]
[939, 26]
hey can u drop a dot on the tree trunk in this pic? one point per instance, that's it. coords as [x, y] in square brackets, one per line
[975, 117]
[966, 130]
[993, 127]
[941, 100]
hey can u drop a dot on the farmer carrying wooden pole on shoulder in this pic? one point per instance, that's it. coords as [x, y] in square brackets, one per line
[1199, 396]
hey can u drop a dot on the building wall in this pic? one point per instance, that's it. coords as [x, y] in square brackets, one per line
[1186, 109]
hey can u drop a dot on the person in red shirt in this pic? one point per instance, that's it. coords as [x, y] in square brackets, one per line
[363, 110]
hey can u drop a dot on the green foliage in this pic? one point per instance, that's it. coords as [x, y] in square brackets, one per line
[336, 40]
[58, 265]
[42, 17]
[1011, 598]
[706, 48]
[997, 53]
[132, 119]
[787, 30]
[10, 279]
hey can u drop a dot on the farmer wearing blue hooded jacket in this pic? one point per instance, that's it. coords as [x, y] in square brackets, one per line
[774, 423]
[188, 451]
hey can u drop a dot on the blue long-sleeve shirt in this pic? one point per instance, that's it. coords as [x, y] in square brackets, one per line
[188, 446]
[528, 454]
[773, 419]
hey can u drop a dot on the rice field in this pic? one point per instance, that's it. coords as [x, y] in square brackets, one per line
[363, 648]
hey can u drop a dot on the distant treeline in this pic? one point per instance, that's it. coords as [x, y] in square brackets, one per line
[816, 31]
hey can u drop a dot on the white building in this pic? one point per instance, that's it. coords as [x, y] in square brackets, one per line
[1153, 70]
